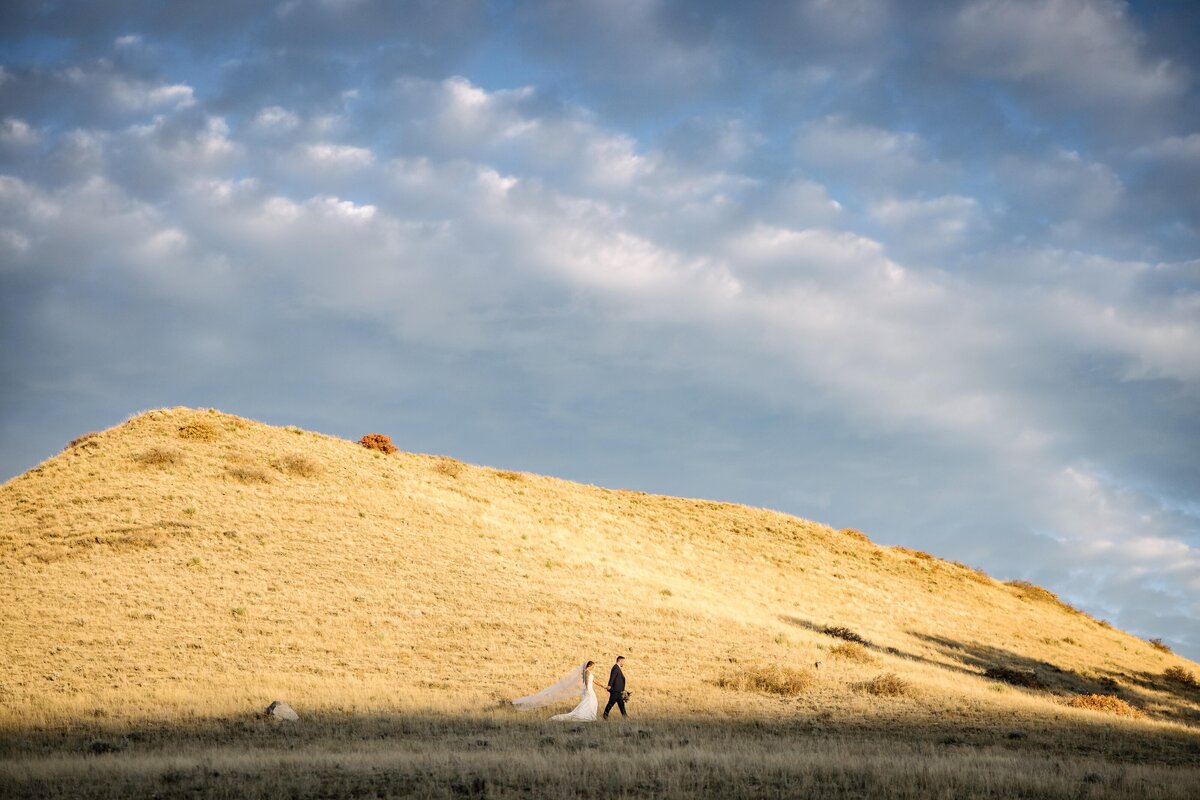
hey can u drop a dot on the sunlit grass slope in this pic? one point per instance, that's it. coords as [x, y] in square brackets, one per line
[193, 563]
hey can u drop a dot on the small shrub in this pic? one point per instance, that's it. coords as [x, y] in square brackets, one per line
[509, 475]
[378, 441]
[842, 632]
[296, 464]
[239, 611]
[1106, 703]
[159, 457]
[889, 684]
[198, 432]
[248, 474]
[774, 679]
[665, 592]
[190, 511]
[1181, 676]
[1027, 679]
[852, 652]
[1161, 646]
[449, 467]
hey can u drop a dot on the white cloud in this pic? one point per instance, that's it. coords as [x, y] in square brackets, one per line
[275, 119]
[1084, 52]
[17, 133]
[1181, 149]
[338, 156]
[930, 224]
[875, 158]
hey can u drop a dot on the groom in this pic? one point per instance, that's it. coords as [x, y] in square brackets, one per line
[616, 688]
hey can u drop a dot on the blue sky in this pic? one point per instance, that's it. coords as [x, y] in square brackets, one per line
[931, 270]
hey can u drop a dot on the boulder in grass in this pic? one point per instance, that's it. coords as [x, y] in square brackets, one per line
[281, 710]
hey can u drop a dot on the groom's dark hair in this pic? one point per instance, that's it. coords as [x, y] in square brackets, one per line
[620, 658]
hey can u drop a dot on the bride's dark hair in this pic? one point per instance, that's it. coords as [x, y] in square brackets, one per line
[585, 669]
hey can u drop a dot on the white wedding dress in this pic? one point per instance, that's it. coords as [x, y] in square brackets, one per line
[573, 684]
[586, 710]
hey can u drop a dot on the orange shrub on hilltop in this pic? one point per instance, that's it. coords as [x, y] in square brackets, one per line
[378, 441]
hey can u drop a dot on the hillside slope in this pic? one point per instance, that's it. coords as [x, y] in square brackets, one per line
[192, 562]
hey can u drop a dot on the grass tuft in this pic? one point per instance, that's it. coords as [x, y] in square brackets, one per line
[852, 652]
[296, 464]
[87, 441]
[773, 679]
[856, 534]
[1038, 594]
[450, 467]
[1107, 703]
[888, 684]
[159, 457]
[509, 475]
[248, 474]
[198, 432]
[1161, 646]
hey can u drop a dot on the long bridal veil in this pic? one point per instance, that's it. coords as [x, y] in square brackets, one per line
[568, 686]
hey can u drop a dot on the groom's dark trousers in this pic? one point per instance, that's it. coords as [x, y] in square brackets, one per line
[615, 699]
[616, 685]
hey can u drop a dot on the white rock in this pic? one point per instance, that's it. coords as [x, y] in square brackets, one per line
[282, 710]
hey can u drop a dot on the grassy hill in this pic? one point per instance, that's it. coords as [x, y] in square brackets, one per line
[176, 573]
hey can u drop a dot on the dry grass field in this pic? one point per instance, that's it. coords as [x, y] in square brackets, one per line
[164, 580]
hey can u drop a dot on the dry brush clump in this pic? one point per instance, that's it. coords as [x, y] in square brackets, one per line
[852, 652]
[159, 457]
[378, 441]
[296, 464]
[450, 467]
[1025, 678]
[920, 555]
[772, 679]
[87, 441]
[248, 474]
[198, 432]
[1038, 594]
[842, 632]
[887, 684]
[1161, 646]
[856, 534]
[509, 475]
[1107, 703]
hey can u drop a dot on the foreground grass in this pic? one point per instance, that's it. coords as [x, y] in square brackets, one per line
[502, 754]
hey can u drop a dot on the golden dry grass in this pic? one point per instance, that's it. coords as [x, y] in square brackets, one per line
[360, 587]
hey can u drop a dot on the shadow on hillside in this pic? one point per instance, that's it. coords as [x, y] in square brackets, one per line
[1135, 688]
[949, 666]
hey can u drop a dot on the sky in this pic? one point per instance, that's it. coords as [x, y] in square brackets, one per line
[926, 269]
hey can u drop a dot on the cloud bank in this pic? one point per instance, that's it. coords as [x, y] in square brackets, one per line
[934, 276]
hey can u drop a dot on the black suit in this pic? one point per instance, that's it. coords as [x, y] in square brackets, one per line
[616, 685]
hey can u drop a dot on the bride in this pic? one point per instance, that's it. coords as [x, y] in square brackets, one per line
[578, 680]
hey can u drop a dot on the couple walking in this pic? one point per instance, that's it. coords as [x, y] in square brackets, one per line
[581, 681]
